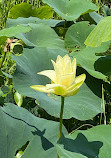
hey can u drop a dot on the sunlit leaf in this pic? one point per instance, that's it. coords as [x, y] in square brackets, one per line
[101, 33]
[20, 10]
[26, 10]
[43, 12]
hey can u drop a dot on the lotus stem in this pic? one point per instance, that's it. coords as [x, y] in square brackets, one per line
[61, 116]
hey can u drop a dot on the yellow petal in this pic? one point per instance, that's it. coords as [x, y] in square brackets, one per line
[74, 65]
[49, 73]
[59, 58]
[80, 78]
[72, 90]
[66, 57]
[68, 66]
[42, 89]
[58, 89]
[53, 63]
[67, 79]
[51, 86]
[58, 67]
[77, 82]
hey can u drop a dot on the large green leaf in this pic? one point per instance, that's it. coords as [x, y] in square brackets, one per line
[14, 31]
[76, 35]
[20, 10]
[43, 12]
[94, 64]
[71, 9]
[101, 33]
[92, 143]
[26, 10]
[42, 35]
[82, 106]
[34, 20]
[17, 126]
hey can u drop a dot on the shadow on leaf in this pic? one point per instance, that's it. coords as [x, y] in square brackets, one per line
[81, 145]
[103, 65]
[46, 144]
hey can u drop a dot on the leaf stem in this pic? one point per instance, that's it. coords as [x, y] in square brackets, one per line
[3, 59]
[103, 104]
[61, 116]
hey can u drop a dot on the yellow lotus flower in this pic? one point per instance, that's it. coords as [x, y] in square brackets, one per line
[63, 80]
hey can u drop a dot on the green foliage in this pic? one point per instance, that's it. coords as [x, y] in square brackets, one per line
[1, 93]
[95, 16]
[3, 40]
[20, 10]
[33, 20]
[14, 31]
[19, 126]
[26, 10]
[5, 89]
[43, 12]
[101, 33]
[89, 59]
[19, 154]
[71, 10]
[38, 37]
[76, 35]
[90, 143]
[18, 99]
[107, 10]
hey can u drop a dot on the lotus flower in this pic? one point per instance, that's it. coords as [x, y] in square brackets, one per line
[63, 80]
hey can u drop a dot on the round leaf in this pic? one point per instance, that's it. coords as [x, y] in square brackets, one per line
[43, 12]
[72, 9]
[20, 10]
[76, 35]
[26, 10]
[42, 35]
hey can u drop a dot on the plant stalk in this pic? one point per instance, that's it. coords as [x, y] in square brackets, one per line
[3, 59]
[103, 104]
[61, 116]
